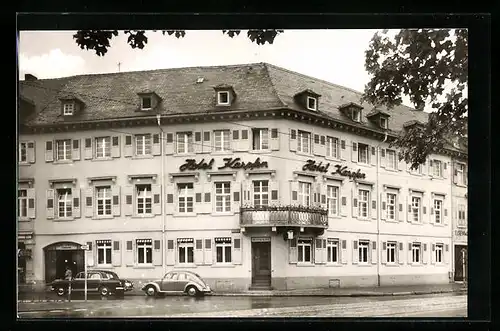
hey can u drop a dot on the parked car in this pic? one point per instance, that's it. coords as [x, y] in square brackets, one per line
[177, 282]
[98, 282]
[128, 285]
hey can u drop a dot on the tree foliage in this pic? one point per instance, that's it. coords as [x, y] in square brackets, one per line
[421, 64]
[99, 40]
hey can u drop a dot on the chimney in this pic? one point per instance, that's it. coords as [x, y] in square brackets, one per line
[30, 77]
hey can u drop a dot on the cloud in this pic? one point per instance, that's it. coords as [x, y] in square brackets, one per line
[51, 65]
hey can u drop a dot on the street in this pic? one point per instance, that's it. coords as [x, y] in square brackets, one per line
[436, 305]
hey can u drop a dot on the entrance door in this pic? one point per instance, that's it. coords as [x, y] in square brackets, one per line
[60, 255]
[261, 264]
[460, 255]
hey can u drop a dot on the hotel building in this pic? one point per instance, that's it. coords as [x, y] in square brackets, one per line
[251, 175]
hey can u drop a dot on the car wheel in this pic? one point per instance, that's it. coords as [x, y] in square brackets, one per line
[192, 291]
[60, 291]
[103, 291]
[151, 291]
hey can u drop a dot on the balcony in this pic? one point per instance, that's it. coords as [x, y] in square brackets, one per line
[284, 216]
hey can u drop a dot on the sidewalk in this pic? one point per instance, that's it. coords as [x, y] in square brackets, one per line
[43, 296]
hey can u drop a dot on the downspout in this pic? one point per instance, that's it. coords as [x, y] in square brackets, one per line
[162, 197]
[380, 207]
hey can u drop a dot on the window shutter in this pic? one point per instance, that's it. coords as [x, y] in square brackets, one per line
[89, 202]
[318, 249]
[354, 154]
[169, 143]
[129, 253]
[383, 209]
[316, 145]
[236, 198]
[116, 255]
[235, 140]
[87, 149]
[207, 198]
[431, 173]
[274, 188]
[90, 254]
[424, 168]
[324, 252]
[170, 252]
[433, 253]
[374, 208]
[115, 192]
[237, 250]
[383, 158]
[31, 152]
[50, 204]
[156, 144]
[75, 153]
[354, 200]
[115, 146]
[408, 214]
[445, 215]
[156, 191]
[374, 255]
[198, 251]
[383, 252]
[445, 169]
[198, 142]
[293, 140]
[373, 156]
[157, 253]
[344, 205]
[207, 252]
[49, 151]
[294, 189]
[400, 253]
[275, 139]
[128, 200]
[292, 250]
[400, 215]
[245, 142]
[355, 254]
[401, 162]
[77, 203]
[409, 253]
[317, 190]
[425, 254]
[343, 151]
[207, 142]
[170, 203]
[198, 197]
[247, 192]
[446, 254]
[128, 149]
[31, 203]
[343, 252]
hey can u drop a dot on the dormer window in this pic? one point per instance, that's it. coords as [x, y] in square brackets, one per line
[146, 102]
[383, 123]
[223, 98]
[70, 105]
[68, 108]
[224, 95]
[356, 115]
[352, 111]
[311, 103]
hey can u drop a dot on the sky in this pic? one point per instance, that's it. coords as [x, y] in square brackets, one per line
[337, 56]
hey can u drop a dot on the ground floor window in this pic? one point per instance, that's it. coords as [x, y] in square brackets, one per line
[439, 253]
[415, 252]
[185, 248]
[391, 252]
[332, 250]
[363, 251]
[144, 251]
[304, 250]
[103, 252]
[223, 250]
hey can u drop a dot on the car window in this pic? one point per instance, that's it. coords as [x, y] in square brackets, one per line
[192, 277]
[80, 275]
[169, 275]
[182, 276]
[94, 276]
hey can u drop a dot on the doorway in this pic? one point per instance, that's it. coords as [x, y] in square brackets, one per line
[261, 265]
[460, 257]
[21, 264]
[60, 255]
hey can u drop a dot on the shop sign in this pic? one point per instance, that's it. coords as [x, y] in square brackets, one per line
[67, 247]
[261, 239]
[461, 233]
[24, 253]
[340, 170]
[229, 162]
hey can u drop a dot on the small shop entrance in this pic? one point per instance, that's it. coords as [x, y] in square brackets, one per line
[460, 257]
[60, 255]
[261, 263]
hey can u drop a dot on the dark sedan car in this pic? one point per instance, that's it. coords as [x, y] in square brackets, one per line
[128, 285]
[98, 282]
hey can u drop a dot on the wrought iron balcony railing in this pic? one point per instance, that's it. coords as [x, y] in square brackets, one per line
[284, 216]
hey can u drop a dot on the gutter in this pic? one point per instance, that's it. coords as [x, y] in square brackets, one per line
[162, 196]
[379, 207]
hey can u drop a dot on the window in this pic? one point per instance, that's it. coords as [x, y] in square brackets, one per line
[143, 144]
[104, 252]
[23, 152]
[260, 193]
[304, 250]
[221, 140]
[391, 206]
[356, 115]
[223, 251]
[332, 250]
[363, 155]
[63, 150]
[363, 251]
[438, 209]
[417, 171]
[223, 98]
[436, 168]
[332, 196]
[460, 168]
[305, 194]
[103, 204]
[102, 147]
[332, 147]
[439, 253]
[222, 197]
[415, 209]
[260, 139]
[415, 252]
[364, 202]
[146, 102]
[143, 199]
[184, 142]
[311, 103]
[22, 197]
[391, 252]
[144, 251]
[461, 215]
[303, 141]
[68, 108]
[390, 160]
[383, 123]
[185, 194]
[186, 252]
[64, 201]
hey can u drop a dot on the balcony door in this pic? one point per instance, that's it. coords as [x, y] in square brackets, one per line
[261, 264]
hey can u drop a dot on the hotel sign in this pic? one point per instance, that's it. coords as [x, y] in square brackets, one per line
[311, 165]
[229, 162]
